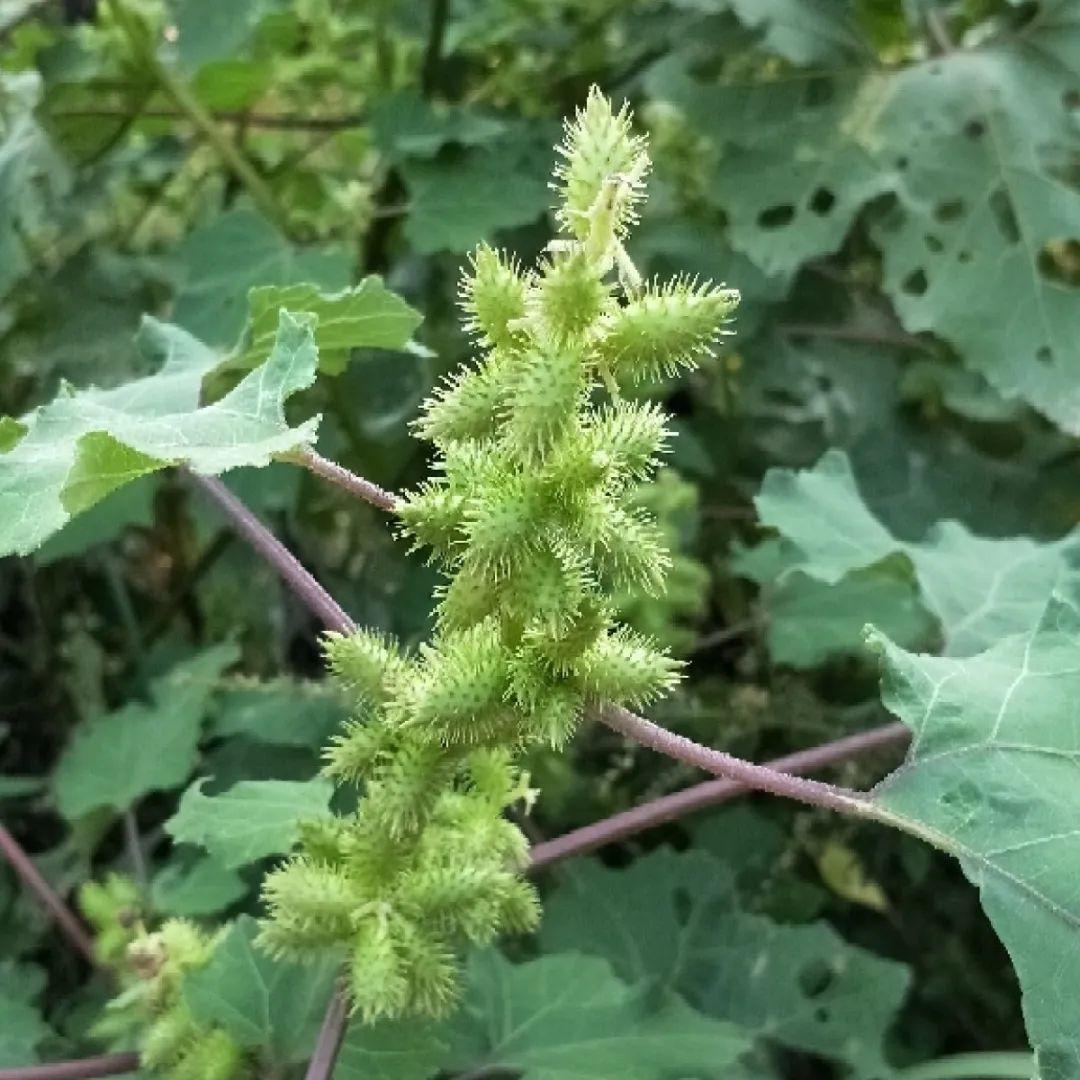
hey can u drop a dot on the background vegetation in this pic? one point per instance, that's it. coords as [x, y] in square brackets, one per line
[894, 187]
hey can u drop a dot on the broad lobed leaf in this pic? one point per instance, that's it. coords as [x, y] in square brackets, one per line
[87, 443]
[991, 776]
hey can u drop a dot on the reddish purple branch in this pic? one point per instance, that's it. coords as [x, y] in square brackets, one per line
[757, 777]
[353, 484]
[711, 793]
[303, 584]
[83, 1069]
[331, 1034]
[50, 900]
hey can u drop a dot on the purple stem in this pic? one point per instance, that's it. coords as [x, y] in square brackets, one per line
[50, 899]
[331, 1034]
[353, 484]
[318, 601]
[756, 777]
[711, 793]
[84, 1068]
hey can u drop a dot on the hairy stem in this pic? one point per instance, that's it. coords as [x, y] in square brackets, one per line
[318, 601]
[31, 877]
[82, 1069]
[711, 793]
[746, 773]
[353, 484]
[190, 106]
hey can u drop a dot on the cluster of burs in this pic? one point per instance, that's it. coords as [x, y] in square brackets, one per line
[529, 515]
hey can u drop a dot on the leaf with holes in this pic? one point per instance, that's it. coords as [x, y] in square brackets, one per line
[796, 162]
[988, 207]
[992, 776]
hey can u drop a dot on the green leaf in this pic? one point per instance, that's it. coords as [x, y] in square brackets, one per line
[219, 263]
[794, 169]
[11, 431]
[991, 776]
[459, 199]
[393, 1050]
[114, 760]
[232, 84]
[199, 886]
[280, 712]
[674, 921]
[406, 125]
[811, 620]
[259, 1001]
[101, 523]
[251, 820]
[85, 443]
[566, 1017]
[33, 176]
[805, 31]
[974, 145]
[208, 31]
[978, 589]
[984, 196]
[367, 316]
[22, 1028]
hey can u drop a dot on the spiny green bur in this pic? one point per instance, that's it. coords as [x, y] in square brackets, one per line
[530, 516]
[151, 967]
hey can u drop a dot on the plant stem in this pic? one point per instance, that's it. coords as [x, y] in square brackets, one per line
[83, 1069]
[353, 484]
[47, 895]
[746, 773]
[429, 75]
[897, 338]
[318, 601]
[204, 123]
[133, 843]
[711, 793]
[1000, 1065]
[321, 1065]
[276, 121]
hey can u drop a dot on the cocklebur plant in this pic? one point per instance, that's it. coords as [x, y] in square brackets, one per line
[530, 516]
[151, 966]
